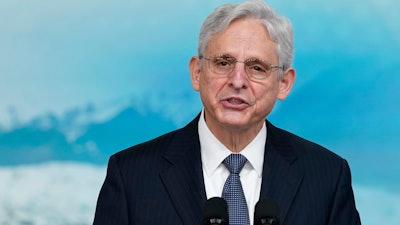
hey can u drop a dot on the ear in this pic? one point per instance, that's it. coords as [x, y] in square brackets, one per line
[286, 83]
[195, 71]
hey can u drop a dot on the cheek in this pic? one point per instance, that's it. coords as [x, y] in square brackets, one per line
[212, 85]
[206, 89]
[266, 93]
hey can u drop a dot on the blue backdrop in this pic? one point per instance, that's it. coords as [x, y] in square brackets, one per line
[82, 79]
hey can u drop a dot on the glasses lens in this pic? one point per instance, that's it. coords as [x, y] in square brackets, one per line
[257, 69]
[222, 64]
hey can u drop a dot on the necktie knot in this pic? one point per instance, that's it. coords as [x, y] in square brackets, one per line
[235, 163]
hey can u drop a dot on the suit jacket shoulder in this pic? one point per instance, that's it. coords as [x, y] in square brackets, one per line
[297, 145]
[311, 184]
[158, 181]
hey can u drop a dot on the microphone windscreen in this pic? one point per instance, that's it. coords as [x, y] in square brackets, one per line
[215, 212]
[266, 212]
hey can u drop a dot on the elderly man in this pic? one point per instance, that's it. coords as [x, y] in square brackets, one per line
[243, 66]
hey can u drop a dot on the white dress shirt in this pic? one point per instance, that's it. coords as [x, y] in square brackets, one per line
[213, 152]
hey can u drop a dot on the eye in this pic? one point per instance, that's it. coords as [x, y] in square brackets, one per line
[257, 66]
[223, 61]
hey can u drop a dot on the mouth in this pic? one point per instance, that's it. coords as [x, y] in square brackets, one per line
[235, 103]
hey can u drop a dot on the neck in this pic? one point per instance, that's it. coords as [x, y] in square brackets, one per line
[236, 139]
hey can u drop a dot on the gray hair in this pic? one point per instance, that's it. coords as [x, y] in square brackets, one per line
[278, 27]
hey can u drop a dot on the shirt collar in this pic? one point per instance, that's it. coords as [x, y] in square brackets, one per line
[213, 152]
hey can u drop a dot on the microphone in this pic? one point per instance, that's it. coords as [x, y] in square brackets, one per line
[215, 212]
[266, 212]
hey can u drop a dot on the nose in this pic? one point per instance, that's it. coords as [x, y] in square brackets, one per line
[238, 78]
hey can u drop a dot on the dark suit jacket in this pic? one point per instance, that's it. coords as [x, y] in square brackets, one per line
[161, 182]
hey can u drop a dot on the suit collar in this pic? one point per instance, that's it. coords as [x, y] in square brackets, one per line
[213, 152]
[281, 175]
[184, 177]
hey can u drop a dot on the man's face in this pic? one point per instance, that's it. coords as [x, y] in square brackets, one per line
[234, 101]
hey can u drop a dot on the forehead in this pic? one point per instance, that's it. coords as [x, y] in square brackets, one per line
[243, 38]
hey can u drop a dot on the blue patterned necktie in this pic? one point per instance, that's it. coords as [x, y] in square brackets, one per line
[233, 191]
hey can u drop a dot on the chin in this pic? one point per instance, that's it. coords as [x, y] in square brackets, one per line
[237, 123]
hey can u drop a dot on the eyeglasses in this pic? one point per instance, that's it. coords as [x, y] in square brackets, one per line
[255, 68]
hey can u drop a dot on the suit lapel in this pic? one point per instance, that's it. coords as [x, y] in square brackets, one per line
[183, 179]
[281, 175]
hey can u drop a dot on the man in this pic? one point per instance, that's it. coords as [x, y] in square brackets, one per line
[243, 66]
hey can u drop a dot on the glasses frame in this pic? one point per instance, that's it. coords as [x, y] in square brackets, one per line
[235, 61]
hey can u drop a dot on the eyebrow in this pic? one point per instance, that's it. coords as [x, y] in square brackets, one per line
[224, 55]
[251, 59]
